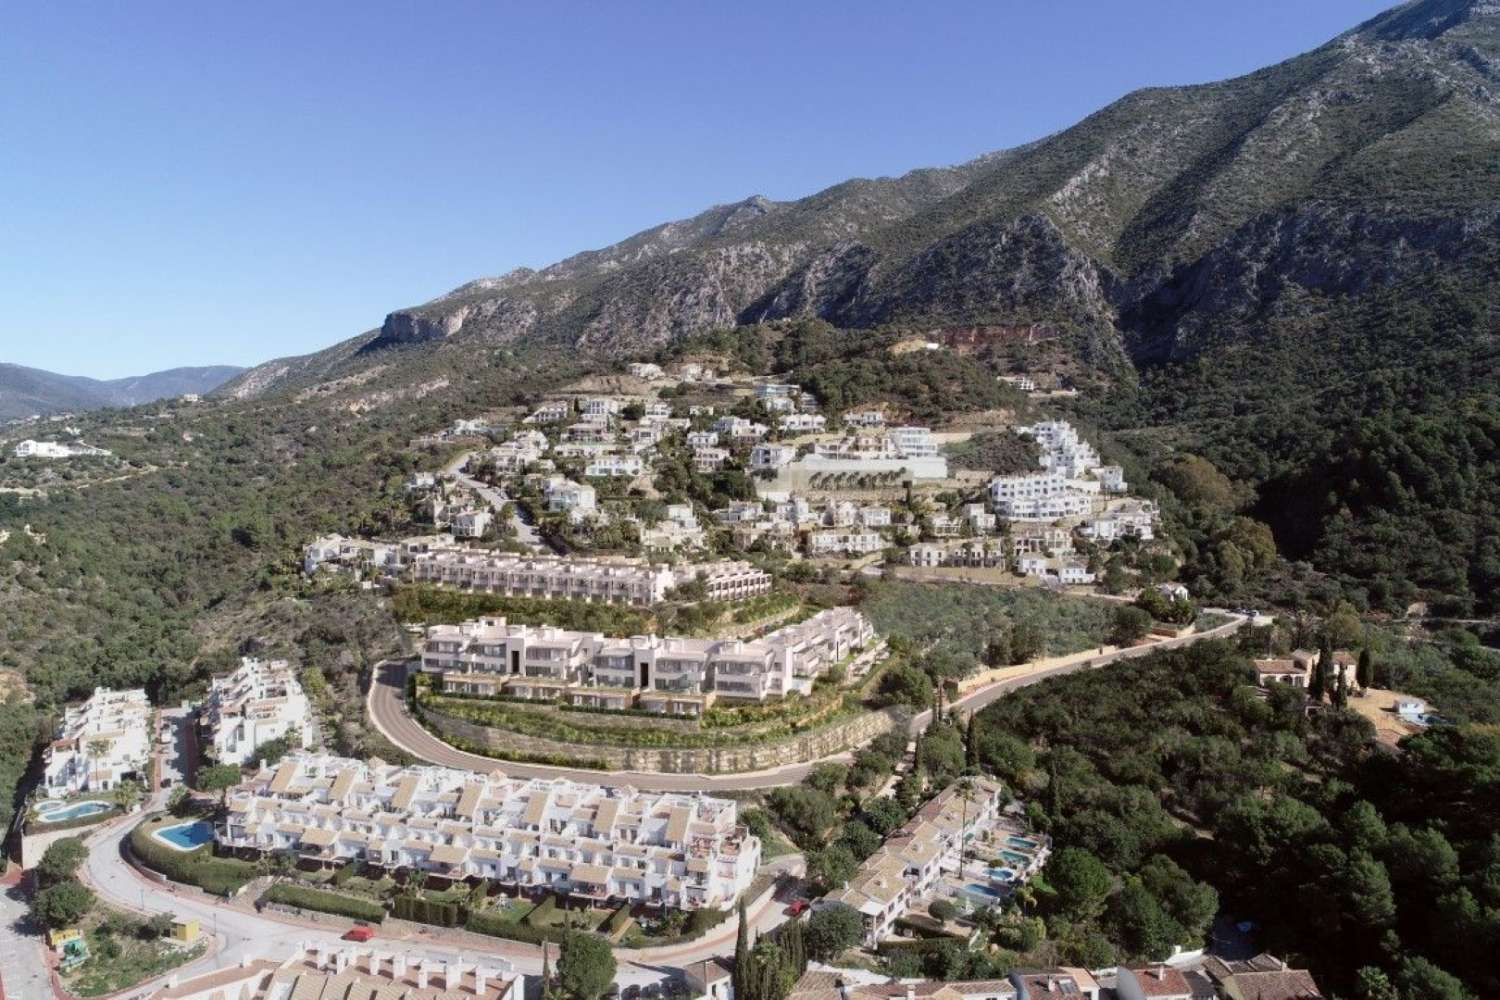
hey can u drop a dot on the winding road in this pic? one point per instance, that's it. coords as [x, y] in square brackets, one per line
[386, 705]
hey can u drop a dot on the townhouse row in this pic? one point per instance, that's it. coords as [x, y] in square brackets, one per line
[99, 744]
[665, 849]
[434, 560]
[676, 676]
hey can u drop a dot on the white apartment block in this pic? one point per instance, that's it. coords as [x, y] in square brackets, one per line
[708, 459]
[703, 439]
[679, 529]
[779, 404]
[56, 449]
[849, 543]
[740, 428]
[802, 423]
[973, 553]
[99, 744]
[352, 972]
[909, 865]
[864, 418]
[563, 496]
[260, 701]
[514, 456]
[489, 656]
[1053, 508]
[776, 390]
[421, 481]
[914, 442]
[677, 850]
[470, 523]
[701, 410]
[1063, 570]
[658, 409]
[1023, 382]
[612, 466]
[609, 581]
[979, 520]
[1122, 519]
[552, 412]
[601, 408]
[1044, 539]
[771, 456]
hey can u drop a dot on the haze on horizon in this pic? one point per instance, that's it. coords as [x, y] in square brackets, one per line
[224, 186]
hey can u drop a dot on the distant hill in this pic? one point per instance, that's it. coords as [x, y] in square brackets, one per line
[24, 391]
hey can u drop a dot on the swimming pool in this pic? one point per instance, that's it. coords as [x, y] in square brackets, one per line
[1014, 858]
[186, 836]
[59, 812]
[1003, 874]
[981, 894]
[1022, 843]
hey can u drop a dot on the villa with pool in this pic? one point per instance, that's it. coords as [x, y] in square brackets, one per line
[99, 744]
[963, 846]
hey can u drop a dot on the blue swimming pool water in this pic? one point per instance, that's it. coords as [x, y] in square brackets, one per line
[62, 813]
[1002, 874]
[188, 836]
[1022, 843]
[1016, 859]
[976, 891]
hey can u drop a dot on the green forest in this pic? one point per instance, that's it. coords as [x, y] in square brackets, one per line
[1365, 866]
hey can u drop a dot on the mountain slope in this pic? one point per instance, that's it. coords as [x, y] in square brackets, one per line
[25, 391]
[1168, 219]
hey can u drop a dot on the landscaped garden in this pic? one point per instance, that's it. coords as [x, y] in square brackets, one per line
[125, 951]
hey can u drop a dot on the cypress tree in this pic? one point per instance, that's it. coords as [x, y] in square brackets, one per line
[742, 977]
[971, 742]
[1365, 671]
[1341, 692]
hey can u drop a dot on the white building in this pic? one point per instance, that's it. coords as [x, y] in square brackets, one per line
[740, 428]
[612, 466]
[260, 701]
[355, 972]
[55, 449]
[678, 850]
[99, 744]
[914, 442]
[471, 523]
[771, 456]
[1023, 382]
[864, 418]
[703, 439]
[609, 581]
[679, 676]
[646, 370]
[709, 459]
[802, 423]
[1061, 570]
[679, 529]
[850, 543]
[563, 496]
[551, 412]
[600, 408]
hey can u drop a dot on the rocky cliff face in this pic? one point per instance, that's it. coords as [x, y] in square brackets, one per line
[1172, 211]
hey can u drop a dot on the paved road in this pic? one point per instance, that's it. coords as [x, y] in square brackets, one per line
[23, 967]
[386, 705]
[497, 498]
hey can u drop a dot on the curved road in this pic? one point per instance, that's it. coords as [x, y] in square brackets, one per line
[386, 704]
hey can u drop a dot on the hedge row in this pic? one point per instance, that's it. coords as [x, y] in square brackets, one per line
[305, 898]
[222, 876]
[892, 946]
[428, 911]
[494, 925]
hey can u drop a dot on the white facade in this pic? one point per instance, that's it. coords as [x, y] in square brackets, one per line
[802, 423]
[611, 581]
[260, 701]
[670, 849]
[740, 428]
[914, 442]
[489, 656]
[854, 543]
[709, 459]
[565, 496]
[99, 744]
[470, 523]
[55, 449]
[611, 466]
[771, 456]
[646, 370]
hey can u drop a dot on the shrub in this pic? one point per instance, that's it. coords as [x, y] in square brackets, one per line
[495, 925]
[222, 876]
[305, 898]
[942, 909]
[428, 911]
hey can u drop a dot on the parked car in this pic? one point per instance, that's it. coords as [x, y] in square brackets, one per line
[360, 932]
[798, 907]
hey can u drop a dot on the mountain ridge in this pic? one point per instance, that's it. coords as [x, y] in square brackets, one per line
[26, 391]
[1110, 228]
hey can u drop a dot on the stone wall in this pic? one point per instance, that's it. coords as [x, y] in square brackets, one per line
[798, 749]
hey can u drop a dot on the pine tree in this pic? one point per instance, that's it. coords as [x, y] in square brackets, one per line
[1364, 673]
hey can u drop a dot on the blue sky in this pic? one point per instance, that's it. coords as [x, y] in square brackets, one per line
[227, 183]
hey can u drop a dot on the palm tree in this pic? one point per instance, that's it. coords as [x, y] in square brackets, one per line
[95, 749]
[965, 789]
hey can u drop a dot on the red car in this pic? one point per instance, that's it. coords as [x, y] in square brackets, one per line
[798, 907]
[360, 933]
